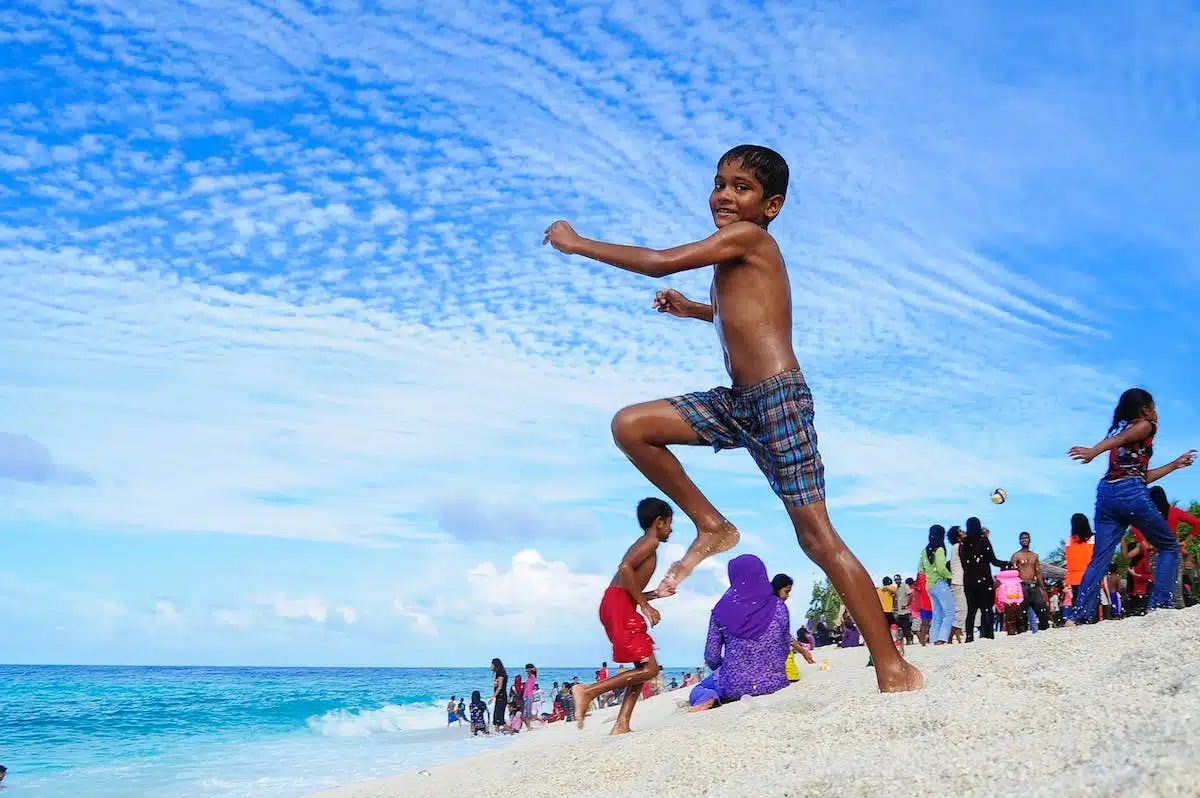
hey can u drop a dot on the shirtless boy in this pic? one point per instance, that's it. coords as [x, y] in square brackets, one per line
[625, 628]
[769, 409]
[1029, 566]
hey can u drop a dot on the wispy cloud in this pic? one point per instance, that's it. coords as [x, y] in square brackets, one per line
[268, 271]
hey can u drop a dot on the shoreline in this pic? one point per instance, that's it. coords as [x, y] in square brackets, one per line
[1095, 710]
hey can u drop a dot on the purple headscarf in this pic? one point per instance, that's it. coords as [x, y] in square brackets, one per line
[748, 605]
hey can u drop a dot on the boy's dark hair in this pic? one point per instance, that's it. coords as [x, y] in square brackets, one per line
[650, 510]
[887, 580]
[768, 167]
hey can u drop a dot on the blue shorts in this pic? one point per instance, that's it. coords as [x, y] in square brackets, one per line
[773, 420]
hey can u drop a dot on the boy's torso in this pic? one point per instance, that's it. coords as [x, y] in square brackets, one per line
[642, 570]
[752, 311]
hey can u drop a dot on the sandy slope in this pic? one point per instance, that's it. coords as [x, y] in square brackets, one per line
[1112, 709]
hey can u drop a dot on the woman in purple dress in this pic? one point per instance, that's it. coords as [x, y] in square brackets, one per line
[749, 635]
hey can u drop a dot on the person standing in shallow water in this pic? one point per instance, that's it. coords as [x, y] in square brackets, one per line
[499, 693]
[1123, 499]
[768, 410]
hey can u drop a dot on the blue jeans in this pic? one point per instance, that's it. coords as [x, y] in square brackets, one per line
[1119, 505]
[943, 611]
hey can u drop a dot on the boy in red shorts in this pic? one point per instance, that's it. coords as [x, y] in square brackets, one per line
[768, 410]
[619, 614]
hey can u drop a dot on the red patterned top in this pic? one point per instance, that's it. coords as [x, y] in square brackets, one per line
[1132, 460]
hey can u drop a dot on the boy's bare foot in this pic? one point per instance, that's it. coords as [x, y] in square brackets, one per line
[902, 679]
[619, 728]
[720, 537]
[579, 696]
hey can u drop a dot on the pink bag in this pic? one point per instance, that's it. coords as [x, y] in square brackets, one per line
[1009, 590]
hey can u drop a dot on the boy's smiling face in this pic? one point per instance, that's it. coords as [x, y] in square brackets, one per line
[737, 196]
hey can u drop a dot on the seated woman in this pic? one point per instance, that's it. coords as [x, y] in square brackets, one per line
[850, 637]
[781, 585]
[749, 638]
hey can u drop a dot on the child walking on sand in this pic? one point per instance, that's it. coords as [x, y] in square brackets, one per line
[768, 410]
[1123, 499]
[626, 629]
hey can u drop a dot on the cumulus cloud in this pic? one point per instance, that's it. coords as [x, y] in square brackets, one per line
[272, 610]
[166, 611]
[22, 459]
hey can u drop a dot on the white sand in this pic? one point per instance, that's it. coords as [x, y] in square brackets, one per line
[1112, 709]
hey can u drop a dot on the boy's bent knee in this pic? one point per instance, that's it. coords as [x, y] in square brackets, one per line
[814, 532]
[625, 427]
[650, 668]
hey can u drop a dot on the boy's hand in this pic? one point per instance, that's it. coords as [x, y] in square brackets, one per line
[1186, 459]
[1082, 453]
[653, 616]
[562, 237]
[673, 302]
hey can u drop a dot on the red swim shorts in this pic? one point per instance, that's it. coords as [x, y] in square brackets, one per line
[626, 627]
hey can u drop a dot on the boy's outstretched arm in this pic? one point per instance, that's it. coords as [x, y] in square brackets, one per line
[728, 243]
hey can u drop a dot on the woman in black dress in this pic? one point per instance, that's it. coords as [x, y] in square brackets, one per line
[977, 557]
[499, 692]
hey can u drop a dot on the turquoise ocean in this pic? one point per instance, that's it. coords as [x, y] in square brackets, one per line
[132, 732]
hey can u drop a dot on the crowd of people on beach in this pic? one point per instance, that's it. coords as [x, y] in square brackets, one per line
[525, 704]
[954, 597]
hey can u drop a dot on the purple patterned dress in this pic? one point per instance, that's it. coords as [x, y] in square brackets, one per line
[750, 667]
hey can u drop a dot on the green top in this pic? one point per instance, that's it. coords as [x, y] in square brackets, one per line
[936, 570]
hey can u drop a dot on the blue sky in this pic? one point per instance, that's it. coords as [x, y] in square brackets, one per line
[288, 379]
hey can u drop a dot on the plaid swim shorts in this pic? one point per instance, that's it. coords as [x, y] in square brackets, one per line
[773, 420]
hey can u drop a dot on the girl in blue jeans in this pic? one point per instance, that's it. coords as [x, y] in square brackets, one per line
[937, 578]
[1123, 499]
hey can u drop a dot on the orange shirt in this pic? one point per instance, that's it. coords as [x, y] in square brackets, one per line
[1078, 557]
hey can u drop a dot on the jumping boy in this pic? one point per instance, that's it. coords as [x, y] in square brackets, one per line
[768, 410]
[618, 613]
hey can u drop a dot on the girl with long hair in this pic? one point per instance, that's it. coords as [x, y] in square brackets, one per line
[1078, 551]
[937, 579]
[1123, 499]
